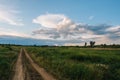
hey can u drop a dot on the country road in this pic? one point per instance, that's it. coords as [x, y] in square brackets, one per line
[19, 75]
[26, 69]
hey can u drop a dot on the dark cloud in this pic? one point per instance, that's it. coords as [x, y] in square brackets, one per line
[99, 29]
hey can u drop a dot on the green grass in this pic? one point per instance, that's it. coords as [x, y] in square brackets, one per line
[71, 63]
[8, 56]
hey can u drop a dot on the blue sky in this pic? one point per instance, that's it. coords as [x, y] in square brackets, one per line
[63, 20]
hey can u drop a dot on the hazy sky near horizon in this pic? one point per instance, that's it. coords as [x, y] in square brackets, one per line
[71, 21]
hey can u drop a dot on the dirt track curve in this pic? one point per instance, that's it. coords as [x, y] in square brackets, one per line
[26, 69]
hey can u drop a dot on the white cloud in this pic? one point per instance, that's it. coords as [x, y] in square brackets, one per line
[113, 29]
[118, 33]
[8, 16]
[50, 20]
[60, 27]
[11, 32]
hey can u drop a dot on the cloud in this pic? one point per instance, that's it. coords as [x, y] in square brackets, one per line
[9, 16]
[11, 32]
[113, 33]
[113, 29]
[98, 29]
[60, 27]
[50, 20]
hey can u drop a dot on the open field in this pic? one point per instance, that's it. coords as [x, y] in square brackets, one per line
[16, 64]
[59, 40]
[59, 63]
[8, 56]
[72, 63]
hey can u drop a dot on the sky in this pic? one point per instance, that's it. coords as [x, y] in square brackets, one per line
[70, 22]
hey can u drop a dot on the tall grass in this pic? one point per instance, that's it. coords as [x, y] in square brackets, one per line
[8, 56]
[71, 63]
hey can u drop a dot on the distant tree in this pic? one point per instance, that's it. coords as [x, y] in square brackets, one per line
[92, 43]
[113, 45]
[34, 45]
[104, 45]
[85, 44]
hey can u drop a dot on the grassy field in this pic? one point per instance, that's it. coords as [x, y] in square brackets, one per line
[72, 63]
[8, 56]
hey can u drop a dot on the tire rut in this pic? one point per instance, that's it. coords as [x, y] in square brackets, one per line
[30, 72]
[45, 75]
[26, 69]
[19, 75]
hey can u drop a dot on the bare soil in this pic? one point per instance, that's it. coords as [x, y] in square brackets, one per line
[19, 75]
[27, 69]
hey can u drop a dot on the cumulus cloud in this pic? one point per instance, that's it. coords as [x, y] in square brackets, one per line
[60, 27]
[52, 20]
[9, 16]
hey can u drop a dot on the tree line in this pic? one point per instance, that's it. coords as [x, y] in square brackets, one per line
[92, 45]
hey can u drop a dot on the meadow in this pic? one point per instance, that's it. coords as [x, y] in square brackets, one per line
[8, 56]
[74, 63]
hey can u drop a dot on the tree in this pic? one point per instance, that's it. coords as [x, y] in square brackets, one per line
[85, 44]
[92, 43]
[104, 45]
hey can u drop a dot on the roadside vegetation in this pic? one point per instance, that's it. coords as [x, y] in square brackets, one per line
[8, 56]
[74, 63]
[67, 63]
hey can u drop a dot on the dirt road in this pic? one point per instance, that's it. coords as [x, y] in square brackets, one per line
[26, 69]
[19, 68]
